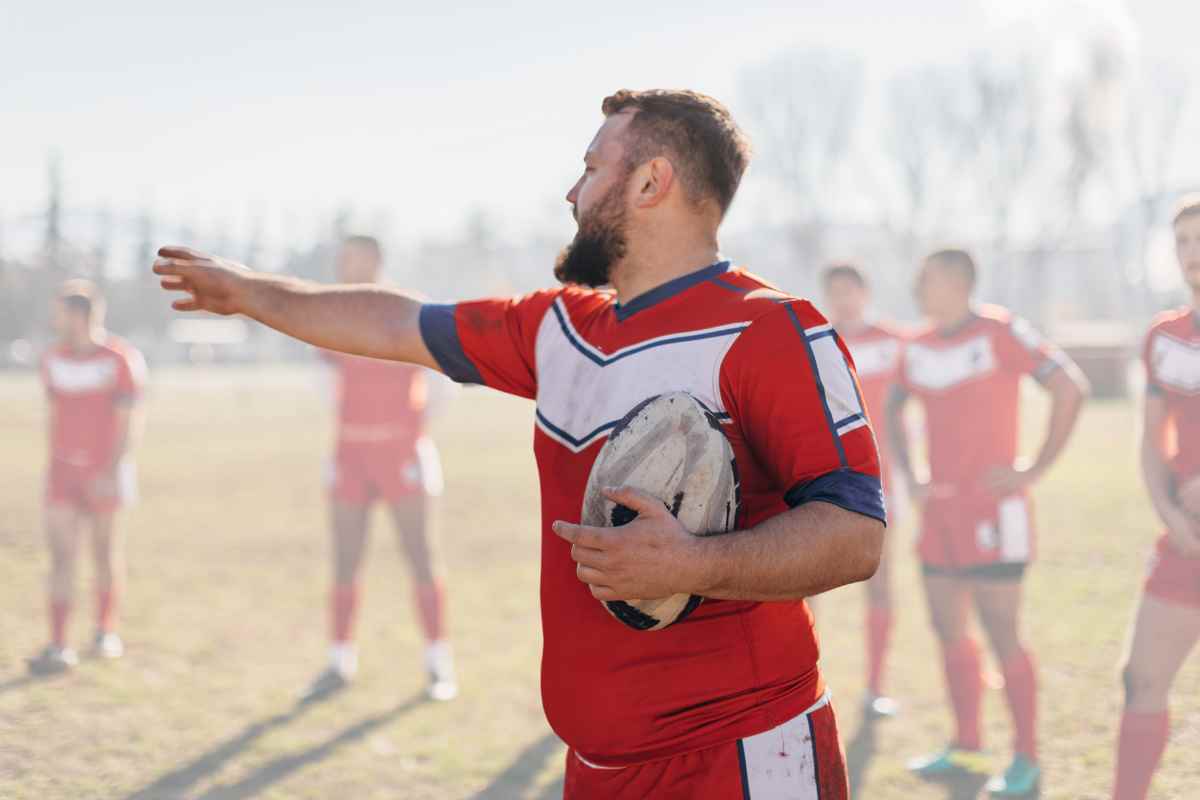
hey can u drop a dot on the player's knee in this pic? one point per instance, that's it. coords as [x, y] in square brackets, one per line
[1141, 684]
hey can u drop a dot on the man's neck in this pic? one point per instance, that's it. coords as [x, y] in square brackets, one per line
[646, 268]
[851, 325]
[953, 321]
[84, 343]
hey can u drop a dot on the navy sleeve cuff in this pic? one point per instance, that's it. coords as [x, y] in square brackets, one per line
[846, 489]
[440, 332]
[1046, 369]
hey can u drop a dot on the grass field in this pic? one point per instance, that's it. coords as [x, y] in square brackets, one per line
[225, 621]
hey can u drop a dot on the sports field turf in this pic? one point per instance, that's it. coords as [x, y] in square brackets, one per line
[225, 620]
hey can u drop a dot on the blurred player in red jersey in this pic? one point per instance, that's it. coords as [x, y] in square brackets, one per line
[876, 349]
[729, 703]
[93, 383]
[976, 536]
[1168, 618]
[382, 454]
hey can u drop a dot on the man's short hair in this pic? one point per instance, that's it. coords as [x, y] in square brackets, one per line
[365, 242]
[959, 260]
[81, 295]
[694, 131]
[1188, 206]
[846, 271]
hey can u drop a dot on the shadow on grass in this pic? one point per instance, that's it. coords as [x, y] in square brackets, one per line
[279, 768]
[178, 781]
[860, 752]
[522, 772]
[21, 681]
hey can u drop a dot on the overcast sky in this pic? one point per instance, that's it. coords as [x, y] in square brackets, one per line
[418, 113]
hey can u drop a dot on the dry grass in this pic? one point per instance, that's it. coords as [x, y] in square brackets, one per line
[225, 620]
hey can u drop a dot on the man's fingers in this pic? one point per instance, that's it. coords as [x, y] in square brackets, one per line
[186, 305]
[605, 594]
[589, 556]
[581, 534]
[590, 575]
[173, 284]
[643, 503]
[178, 251]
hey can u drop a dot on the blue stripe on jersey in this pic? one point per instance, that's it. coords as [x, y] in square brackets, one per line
[844, 422]
[440, 332]
[816, 759]
[724, 284]
[605, 361]
[557, 431]
[816, 371]
[821, 335]
[668, 290]
[845, 488]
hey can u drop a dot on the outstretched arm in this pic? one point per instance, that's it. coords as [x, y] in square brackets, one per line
[364, 319]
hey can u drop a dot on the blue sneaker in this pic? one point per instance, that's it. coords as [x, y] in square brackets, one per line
[1021, 779]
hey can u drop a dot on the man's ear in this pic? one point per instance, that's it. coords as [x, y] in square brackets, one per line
[655, 179]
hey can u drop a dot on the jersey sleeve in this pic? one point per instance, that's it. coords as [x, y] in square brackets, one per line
[490, 342]
[1023, 349]
[790, 386]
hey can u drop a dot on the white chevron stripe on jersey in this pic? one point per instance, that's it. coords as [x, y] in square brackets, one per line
[1176, 363]
[70, 376]
[940, 368]
[582, 392]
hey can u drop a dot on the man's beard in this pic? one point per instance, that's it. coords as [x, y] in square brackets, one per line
[598, 244]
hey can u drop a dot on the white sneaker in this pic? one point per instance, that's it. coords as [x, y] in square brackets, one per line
[53, 660]
[108, 645]
[439, 663]
[343, 660]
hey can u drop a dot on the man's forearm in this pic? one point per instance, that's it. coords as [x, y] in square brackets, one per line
[800, 553]
[1068, 391]
[361, 319]
[1156, 474]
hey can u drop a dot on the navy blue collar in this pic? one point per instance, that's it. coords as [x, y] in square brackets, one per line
[668, 290]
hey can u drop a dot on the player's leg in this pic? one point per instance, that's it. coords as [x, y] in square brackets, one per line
[413, 507]
[349, 532]
[1164, 632]
[948, 597]
[879, 623]
[108, 556]
[62, 537]
[998, 593]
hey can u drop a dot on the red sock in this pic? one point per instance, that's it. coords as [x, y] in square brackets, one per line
[1140, 747]
[60, 611]
[106, 609]
[964, 681]
[431, 608]
[1020, 687]
[343, 607]
[879, 634]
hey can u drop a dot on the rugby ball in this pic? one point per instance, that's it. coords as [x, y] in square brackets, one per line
[671, 447]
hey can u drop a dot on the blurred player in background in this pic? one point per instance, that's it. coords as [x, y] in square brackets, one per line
[876, 349]
[977, 525]
[382, 454]
[1168, 618]
[93, 383]
[731, 702]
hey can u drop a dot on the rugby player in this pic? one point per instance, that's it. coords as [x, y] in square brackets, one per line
[93, 381]
[1168, 618]
[876, 348]
[729, 703]
[382, 454]
[976, 538]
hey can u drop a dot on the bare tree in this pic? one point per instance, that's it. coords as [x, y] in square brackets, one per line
[802, 106]
[1155, 106]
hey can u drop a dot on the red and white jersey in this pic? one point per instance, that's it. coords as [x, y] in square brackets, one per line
[774, 371]
[969, 382]
[1172, 359]
[85, 390]
[378, 401]
[877, 350]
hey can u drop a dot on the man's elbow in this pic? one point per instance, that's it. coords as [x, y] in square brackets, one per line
[866, 551]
